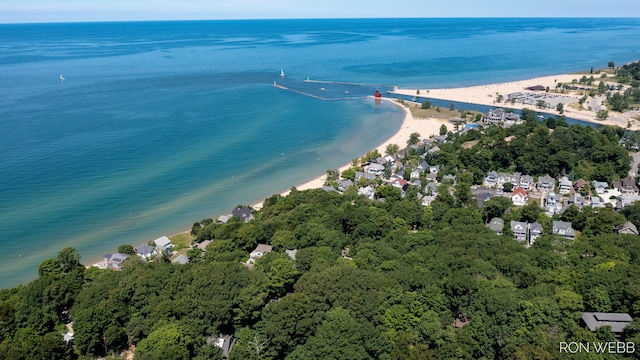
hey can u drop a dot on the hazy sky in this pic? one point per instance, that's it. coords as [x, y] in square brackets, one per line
[99, 10]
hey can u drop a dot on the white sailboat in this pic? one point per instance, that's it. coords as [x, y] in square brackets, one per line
[61, 77]
[281, 73]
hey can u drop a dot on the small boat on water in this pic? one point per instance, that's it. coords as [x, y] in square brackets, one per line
[61, 77]
[281, 72]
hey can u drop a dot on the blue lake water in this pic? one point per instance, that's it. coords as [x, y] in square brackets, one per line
[160, 124]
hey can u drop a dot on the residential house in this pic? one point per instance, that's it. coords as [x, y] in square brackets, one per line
[329, 189]
[546, 183]
[580, 184]
[564, 185]
[434, 150]
[401, 184]
[600, 187]
[597, 202]
[368, 191]
[432, 176]
[114, 261]
[163, 245]
[225, 342]
[423, 166]
[449, 177]
[415, 173]
[427, 200]
[146, 252]
[500, 117]
[626, 186]
[616, 321]
[224, 218]
[519, 197]
[504, 178]
[526, 182]
[627, 228]
[434, 169]
[535, 231]
[180, 260]
[519, 230]
[564, 229]
[243, 213]
[552, 202]
[203, 245]
[291, 253]
[577, 200]
[626, 200]
[389, 159]
[344, 184]
[431, 188]
[440, 138]
[375, 169]
[368, 176]
[491, 179]
[257, 253]
[496, 225]
[515, 179]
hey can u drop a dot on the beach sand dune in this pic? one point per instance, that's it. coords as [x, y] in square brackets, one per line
[487, 95]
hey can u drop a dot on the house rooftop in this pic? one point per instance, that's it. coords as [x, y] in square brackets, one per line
[617, 321]
[162, 241]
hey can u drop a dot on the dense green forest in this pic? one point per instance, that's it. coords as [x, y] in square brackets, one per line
[370, 280]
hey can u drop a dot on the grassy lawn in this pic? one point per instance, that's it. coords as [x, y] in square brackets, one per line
[181, 241]
[438, 112]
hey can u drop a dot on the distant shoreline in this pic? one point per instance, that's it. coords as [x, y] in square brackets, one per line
[486, 95]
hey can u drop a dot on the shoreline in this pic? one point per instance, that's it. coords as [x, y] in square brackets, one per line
[425, 127]
[486, 94]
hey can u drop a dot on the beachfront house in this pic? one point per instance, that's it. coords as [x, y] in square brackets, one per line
[361, 174]
[243, 212]
[163, 245]
[375, 169]
[114, 261]
[146, 252]
[500, 117]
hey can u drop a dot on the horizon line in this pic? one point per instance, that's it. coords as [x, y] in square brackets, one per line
[306, 19]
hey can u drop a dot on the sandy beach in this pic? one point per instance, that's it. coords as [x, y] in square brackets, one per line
[424, 127]
[486, 95]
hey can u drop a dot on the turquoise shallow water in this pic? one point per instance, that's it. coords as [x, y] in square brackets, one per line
[160, 124]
